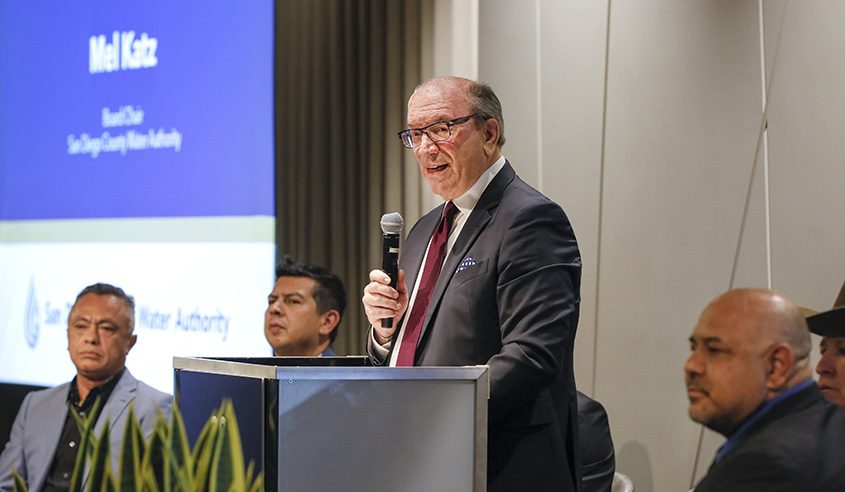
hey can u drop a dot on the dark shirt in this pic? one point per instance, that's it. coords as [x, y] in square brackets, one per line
[61, 470]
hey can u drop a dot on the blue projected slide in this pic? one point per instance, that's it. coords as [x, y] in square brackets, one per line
[165, 106]
[136, 148]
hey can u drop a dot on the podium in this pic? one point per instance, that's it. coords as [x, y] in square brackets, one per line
[334, 423]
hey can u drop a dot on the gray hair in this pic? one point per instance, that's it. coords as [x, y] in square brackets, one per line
[484, 103]
[102, 289]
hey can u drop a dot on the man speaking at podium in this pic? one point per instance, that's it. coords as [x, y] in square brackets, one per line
[490, 277]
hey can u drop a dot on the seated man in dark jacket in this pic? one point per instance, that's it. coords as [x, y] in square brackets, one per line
[748, 378]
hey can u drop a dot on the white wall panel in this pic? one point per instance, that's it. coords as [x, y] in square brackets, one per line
[654, 174]
[807, 152]
[683, 111]
[546, 62]
[508, 62]
[572, 42]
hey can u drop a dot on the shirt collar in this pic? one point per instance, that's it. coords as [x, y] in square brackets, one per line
[469, 199]
[103, 391]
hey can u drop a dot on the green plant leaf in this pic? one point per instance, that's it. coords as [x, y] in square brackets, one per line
[149, 481]
[154, 457]
[165, 462]
[138, 433]
[19, 483]
[183, 479]
[139, 444]
[130, 455]
[87, 421]
[109, 484]
[258, 484]
[209, 427]
[235, 448]
[178, 454]
[204, 451]
[248, 476]
[162, 427]
[253, 484]
[100, 460]
[182, 456]
[85, 450]
[221, 475]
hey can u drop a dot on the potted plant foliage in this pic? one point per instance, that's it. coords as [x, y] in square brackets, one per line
[165, 461]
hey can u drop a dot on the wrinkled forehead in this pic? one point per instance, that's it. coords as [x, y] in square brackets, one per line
[735, 327]
[440, 98]
[100, 307]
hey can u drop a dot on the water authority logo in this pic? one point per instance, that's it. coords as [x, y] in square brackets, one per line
[31, 326]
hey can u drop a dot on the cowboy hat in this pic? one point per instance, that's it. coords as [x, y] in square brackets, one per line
[830, 323]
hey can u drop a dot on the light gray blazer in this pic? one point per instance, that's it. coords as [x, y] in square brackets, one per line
[38, 427]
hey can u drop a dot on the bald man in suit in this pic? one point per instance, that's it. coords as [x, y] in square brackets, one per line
[748, 378]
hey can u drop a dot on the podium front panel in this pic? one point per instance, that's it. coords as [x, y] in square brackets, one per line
[356, 430]
[353, 428]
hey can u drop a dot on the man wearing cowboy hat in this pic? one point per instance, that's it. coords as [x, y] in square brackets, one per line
[831, 367]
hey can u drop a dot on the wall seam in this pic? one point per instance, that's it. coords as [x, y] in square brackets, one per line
[760, 146]
[601, 200]
[764, 104]
[539, 98]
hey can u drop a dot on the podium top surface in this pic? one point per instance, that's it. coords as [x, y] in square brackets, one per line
[321, 368]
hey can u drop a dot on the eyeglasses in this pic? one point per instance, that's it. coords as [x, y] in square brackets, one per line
[437, 132]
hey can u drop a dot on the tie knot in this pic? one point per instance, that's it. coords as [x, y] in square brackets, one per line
[449, 212]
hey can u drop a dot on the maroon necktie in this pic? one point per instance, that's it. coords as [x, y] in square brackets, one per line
[433, 265]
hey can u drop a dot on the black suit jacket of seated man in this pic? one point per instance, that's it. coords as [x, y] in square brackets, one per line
[797, 446]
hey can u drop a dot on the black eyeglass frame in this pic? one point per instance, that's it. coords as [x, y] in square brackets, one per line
[407, 141]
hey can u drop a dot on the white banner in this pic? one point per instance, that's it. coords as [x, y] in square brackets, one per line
[191, 299]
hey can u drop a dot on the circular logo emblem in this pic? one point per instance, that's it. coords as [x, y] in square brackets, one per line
[30, 322]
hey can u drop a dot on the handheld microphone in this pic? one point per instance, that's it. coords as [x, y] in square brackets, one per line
[391, 226]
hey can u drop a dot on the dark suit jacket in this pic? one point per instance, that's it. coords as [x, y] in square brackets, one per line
[798, 446]
[515, 309]
[598, 462]
[38, 427]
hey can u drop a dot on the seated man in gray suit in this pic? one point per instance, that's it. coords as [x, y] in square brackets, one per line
[43, 443]
[749, 378]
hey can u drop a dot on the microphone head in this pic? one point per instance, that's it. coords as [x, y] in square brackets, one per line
[392, 223]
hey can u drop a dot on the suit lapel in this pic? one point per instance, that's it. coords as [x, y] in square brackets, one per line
[476, 222]
[118, 401]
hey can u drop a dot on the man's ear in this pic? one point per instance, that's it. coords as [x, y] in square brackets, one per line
[329, 321]
[491, 135]
[132, 340]
[780, 362]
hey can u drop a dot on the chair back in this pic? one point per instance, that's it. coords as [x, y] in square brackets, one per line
[621, 483]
